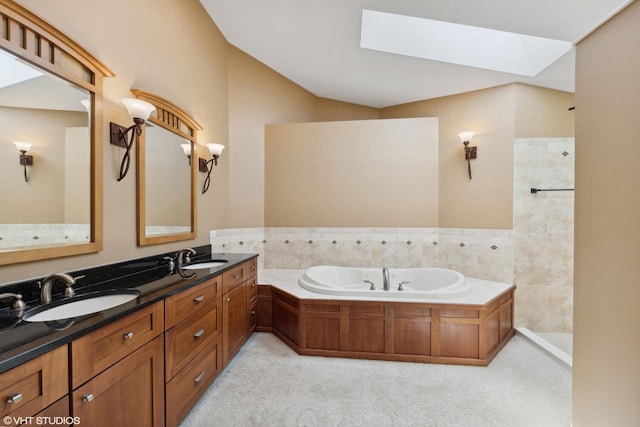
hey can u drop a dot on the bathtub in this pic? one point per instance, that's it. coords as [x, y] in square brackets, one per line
[423, 283]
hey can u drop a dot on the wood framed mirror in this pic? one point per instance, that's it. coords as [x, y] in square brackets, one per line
[166, 174]
[51, 98]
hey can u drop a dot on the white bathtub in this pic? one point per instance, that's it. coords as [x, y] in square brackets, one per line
[436, 283]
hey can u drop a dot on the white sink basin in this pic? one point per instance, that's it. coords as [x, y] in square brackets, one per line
[80, 305]
[200, 265]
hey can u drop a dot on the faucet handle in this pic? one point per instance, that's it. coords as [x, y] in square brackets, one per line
[400, 288]
[18, 303]
[171, 264]
[68, 290]
[372, 287]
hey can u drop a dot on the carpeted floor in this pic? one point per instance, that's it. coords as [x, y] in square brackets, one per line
[268, 384]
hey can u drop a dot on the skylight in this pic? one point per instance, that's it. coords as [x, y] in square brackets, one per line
[459, 44]
[14, 71]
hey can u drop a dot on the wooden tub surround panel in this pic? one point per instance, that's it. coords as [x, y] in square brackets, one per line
[401, 331]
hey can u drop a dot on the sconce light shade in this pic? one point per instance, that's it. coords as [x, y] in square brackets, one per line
[215, 149]
[23, 147]
[137, 108]
[186, 147]
[466, 136]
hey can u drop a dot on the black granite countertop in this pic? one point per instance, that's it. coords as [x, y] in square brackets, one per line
[21, 341]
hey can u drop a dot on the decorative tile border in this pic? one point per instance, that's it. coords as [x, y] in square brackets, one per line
[27, 235]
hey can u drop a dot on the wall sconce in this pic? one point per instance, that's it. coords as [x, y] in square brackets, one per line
[207, 165]
[469, 152]
[186, 147]
[139, 111]
[25, 159]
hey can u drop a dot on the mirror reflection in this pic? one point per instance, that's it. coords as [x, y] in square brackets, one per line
[46, 202]
[167, 183]
[166, 176]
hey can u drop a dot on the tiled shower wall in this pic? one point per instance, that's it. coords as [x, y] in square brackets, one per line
[543, 232]
[537, 255]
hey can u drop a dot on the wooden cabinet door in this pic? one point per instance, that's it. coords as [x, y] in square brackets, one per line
[234, 324]
[129, 393]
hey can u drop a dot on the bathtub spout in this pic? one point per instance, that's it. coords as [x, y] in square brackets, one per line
[385, 279]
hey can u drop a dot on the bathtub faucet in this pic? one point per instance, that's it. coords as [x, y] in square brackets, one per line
[385, 279]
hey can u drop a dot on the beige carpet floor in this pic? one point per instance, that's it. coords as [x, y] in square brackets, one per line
[268, 384]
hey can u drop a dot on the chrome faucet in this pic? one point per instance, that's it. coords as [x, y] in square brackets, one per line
[45, 286]
[385, 279]
[184, 256]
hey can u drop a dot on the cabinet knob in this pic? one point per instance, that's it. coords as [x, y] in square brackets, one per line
[14, 398]
[228, 299]
[199, 298]
[253, 285]
[199, 333]
[87, 397]
[253, 312]
[236, 276]
[128, 335]
[199, 377]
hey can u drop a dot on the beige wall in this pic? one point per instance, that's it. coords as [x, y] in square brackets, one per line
[606, 366]
[259, 96]
[486, 201]
[328, 110]
[374, 173]
[543, 113]
[181, 56]
[35, 201]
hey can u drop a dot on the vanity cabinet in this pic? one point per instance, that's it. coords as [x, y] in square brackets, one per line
[117, 371]
[239, 307]
[193, 346]
[30, 389]
[234, 324]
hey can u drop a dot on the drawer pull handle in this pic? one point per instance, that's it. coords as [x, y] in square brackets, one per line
[199, 333]
[128, 335]
[87, 397]
[199, 298]
[14, 398]
[199, 377]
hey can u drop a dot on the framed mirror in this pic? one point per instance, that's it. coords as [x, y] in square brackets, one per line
[51, 101]
[166, 174]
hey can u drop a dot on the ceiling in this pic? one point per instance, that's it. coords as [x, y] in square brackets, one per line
[316, 43]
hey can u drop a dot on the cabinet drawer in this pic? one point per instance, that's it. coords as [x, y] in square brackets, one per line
[34, 385]
[95, 352]
[252, 267]
[233, 277]
[179, 307]
[190, 336]
[184, 390]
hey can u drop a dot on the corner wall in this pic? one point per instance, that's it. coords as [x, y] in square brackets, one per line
[606, 370]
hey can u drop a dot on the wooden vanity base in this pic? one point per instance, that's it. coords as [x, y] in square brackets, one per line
[401, 331]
